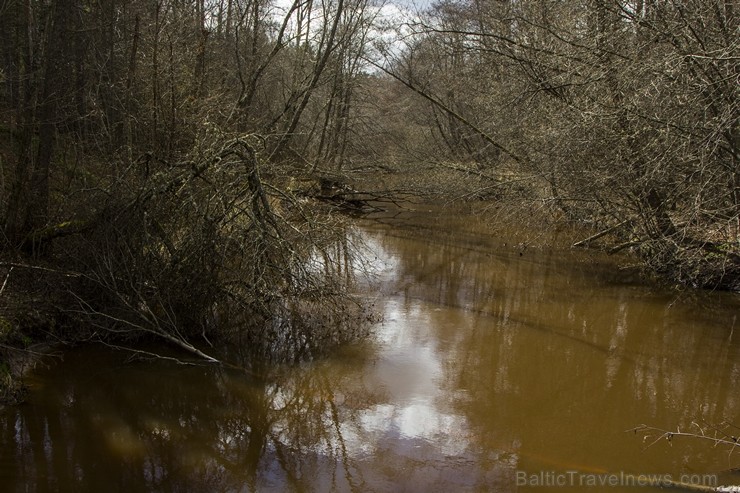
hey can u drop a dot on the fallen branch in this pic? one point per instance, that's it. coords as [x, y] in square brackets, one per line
[49, 233]
[731, 441]
[142, 353]
[622, 246]
[720, 437]
[476, 172]
[156, 330]
[585, 242]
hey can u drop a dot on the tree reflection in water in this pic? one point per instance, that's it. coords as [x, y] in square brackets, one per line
[329, 425]
[551, 358]
[149, 426]
[486, 363]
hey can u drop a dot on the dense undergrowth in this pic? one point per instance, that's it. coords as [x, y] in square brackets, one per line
[211, 250]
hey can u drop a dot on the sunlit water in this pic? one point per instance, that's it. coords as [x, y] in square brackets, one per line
[494, 369]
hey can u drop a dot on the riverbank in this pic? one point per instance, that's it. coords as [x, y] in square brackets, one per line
[36, 296]
[671, 244]
[33, 322]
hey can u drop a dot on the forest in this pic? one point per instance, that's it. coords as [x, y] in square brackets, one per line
[182, 169]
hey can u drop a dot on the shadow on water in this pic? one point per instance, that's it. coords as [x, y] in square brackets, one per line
[487, 364]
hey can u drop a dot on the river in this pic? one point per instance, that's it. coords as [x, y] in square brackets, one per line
[494, 368]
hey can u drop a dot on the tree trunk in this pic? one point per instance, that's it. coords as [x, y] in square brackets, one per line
[16, 220]
[53, 89]
[28, 208]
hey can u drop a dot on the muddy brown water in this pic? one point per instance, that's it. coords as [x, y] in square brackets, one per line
[494, 369]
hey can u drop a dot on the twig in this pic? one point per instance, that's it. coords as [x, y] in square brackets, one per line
[732, 442]
[24, 350]
[153, 355]
[6, 280]
[38, 267]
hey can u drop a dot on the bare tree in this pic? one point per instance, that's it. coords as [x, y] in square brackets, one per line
[619, 113]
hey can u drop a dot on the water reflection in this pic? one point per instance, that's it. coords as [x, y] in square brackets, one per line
[487, 362]
[189, 429]
[556, 359]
